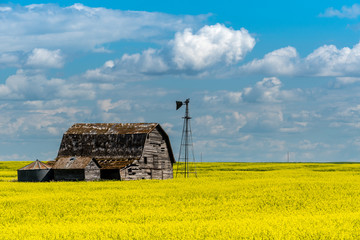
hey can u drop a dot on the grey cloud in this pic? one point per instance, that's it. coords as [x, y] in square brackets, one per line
[267, 90]
[9, 60]
[345, 12]
[81, 27]
[28, 85]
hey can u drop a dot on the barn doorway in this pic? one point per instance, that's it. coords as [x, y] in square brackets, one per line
[110, 174]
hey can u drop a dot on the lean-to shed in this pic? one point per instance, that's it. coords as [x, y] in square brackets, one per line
[76, 169]
[126, 151]
[36, 171]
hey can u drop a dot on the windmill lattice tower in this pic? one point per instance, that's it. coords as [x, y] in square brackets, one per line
[186, 152]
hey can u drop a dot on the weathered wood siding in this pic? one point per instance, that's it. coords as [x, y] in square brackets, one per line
[133, 172]
[155, 162]
[92, 171]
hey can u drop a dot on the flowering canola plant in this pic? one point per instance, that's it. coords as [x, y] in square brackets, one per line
[226, 201]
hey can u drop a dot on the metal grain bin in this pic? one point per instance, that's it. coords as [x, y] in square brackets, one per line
[35, 172]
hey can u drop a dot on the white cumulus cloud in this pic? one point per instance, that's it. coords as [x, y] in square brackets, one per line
[326, 60]
[210, 45]
[149, 61]
[188, 53]
[282, 61]
[44, 58]
[267, 90]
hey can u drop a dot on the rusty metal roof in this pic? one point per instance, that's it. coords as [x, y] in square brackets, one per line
[75, 162]
[72, 162]
[50, 163]
[111, 128]
[114, 163]
[37, 165]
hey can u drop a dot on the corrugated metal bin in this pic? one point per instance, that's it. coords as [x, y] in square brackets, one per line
[35, 172]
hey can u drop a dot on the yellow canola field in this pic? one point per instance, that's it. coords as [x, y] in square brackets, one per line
[226, 201]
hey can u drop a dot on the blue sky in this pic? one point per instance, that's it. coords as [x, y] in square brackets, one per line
[264, 78]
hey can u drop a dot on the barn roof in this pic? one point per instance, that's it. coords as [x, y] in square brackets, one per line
[50, 163]
[72, 162]
[111, 145]
[111, 128]
[36, 165]
[114, 163]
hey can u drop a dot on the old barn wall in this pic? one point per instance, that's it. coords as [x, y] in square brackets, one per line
[133, 172]
[155, 162]
[92, 171]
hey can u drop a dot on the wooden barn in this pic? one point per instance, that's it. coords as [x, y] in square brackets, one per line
[127, 151]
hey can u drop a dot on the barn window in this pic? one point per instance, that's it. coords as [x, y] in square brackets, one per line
[145, 160]
[130, 172]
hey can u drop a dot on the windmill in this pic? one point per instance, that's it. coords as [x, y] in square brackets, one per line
[186, 152]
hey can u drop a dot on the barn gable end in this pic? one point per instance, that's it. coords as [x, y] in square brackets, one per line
[155, 160]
